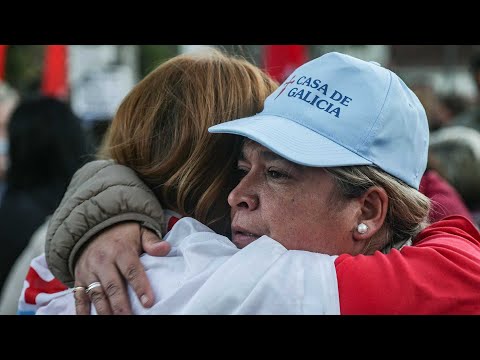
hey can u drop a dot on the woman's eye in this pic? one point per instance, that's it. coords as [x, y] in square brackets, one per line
[276, 174]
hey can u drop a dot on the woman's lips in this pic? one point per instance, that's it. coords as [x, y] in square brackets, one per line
[242, 239]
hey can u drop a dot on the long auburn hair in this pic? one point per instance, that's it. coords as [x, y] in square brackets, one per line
[160, 130]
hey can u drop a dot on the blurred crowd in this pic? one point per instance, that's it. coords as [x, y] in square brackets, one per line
[454, 123]
[42, 144]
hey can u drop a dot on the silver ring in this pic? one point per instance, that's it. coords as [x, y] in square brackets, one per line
[78, 288]
[92, 286]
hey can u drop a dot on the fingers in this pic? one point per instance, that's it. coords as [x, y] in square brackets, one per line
[134, 272]
[153, 245]
[82, 302]
[115, 290]
[98, 262]
[112, 259]
[97, 297]
[112, 296]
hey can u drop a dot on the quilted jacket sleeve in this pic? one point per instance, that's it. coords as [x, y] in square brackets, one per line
[101, 193]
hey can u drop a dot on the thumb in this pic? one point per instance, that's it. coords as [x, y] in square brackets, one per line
[153, 245]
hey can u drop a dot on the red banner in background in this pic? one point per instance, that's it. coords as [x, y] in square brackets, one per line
[55, 71]
[280, 60]
[3, 60]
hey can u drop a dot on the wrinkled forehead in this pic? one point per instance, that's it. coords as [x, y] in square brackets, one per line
[252, 150]
[250, 145]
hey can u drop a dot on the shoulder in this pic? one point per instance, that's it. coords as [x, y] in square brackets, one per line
[450, 223]
[454, 228]
[93, 167]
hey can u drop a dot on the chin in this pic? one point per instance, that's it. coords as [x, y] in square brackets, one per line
[241, 242]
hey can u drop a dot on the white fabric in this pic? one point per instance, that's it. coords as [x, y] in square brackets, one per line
[206, 274]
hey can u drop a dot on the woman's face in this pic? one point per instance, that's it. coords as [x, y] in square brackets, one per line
[290, 203]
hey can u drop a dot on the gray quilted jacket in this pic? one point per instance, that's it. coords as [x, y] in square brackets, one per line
[101, 193]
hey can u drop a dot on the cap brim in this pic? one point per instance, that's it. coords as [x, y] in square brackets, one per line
[292, 141]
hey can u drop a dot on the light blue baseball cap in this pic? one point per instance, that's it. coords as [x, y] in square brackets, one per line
[337, 110]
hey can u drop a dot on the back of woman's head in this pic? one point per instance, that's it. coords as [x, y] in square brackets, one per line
[454, 152]
[47, 143]
[160, 129]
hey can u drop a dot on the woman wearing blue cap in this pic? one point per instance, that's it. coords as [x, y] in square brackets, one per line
[333, 165]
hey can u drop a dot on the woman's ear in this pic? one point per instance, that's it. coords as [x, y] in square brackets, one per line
[373, 210]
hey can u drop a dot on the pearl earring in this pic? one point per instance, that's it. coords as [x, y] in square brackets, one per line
[362, 228]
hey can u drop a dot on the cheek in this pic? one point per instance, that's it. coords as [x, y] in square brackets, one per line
[296, 223]
[279, 213]
[312, 226]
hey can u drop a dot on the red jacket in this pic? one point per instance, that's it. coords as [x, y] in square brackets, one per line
[439, 274]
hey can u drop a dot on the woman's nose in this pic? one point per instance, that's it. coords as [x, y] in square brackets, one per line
[243, 195]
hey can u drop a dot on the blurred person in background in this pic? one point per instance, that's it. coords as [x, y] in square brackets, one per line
[12, 286]
[449, 107]
[455, 155]
[95, 131]
[47, 145]
[471, 116]
[445, 197]
[426, 94]
[8, 100]
[440, 109]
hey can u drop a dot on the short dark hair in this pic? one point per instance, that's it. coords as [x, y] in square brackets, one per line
[47, 143]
